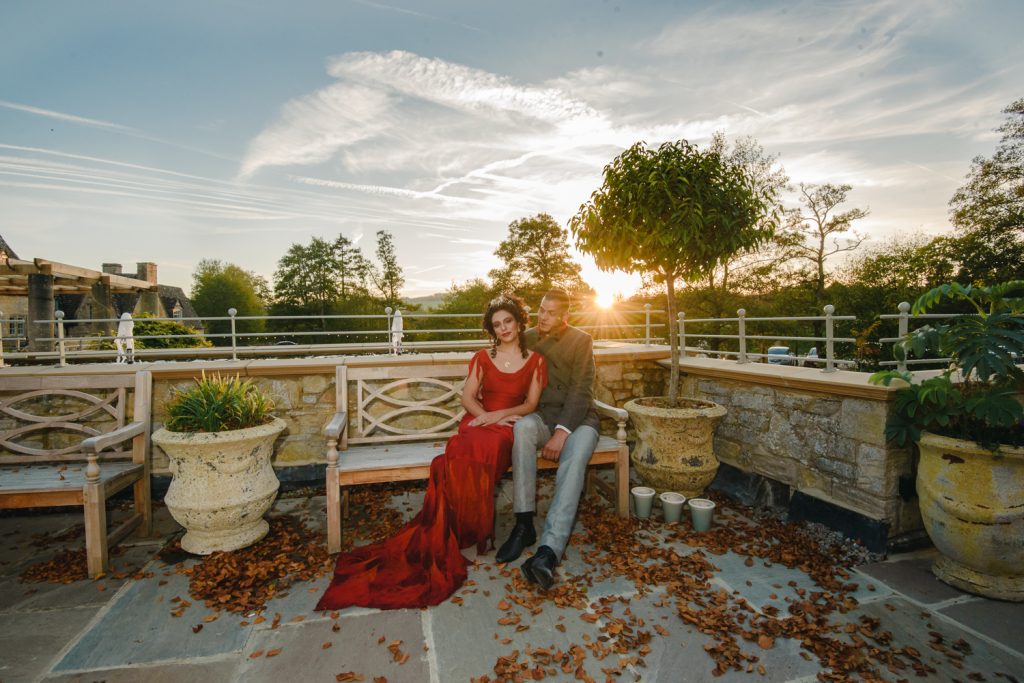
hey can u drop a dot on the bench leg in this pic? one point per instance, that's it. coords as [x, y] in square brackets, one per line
[333, 512]
[591, 482]
[95, 530]
[622, 481]
[144, 505]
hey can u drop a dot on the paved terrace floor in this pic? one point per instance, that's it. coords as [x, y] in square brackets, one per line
[637, 601]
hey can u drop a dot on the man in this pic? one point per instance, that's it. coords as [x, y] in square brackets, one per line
[564, 428]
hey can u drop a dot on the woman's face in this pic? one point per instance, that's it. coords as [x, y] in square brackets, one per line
[506, 329]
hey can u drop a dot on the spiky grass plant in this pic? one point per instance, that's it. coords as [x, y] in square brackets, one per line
[218, 404]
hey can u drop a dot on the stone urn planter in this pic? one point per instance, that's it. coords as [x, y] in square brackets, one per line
[222, 484]
[972, 503]
[675, 446]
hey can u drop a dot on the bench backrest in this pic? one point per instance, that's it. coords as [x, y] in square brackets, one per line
[394, 404]
[45, 418]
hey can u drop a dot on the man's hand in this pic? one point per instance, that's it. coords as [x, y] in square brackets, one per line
[509, 420]
[553, 448]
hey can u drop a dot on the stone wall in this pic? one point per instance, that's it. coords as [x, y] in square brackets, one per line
[819, 433]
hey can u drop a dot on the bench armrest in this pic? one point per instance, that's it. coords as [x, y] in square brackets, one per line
[617, 414]
[336, 427]
[95, 444]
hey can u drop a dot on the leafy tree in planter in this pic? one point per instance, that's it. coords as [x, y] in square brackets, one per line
[676, 213]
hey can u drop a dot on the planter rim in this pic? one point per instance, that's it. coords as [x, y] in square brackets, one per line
[969, 447]
[688, 407]
[162, 435]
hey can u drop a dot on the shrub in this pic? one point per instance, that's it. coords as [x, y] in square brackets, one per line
[218, 404]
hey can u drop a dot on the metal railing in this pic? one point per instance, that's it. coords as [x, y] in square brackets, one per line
[744, 355]
[904, 317]
[611, 324]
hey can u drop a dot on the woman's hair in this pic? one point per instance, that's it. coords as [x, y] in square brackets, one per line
[514, 305]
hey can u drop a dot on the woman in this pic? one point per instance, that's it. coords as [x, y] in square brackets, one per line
[422, 564]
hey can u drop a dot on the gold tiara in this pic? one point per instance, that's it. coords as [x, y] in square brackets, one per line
[503, 298]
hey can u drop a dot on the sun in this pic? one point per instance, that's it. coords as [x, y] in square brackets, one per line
[612, 287]
[605, 299]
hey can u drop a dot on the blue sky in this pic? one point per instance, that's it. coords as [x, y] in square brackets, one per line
[172, 132]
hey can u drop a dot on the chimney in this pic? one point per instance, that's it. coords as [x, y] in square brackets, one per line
[112, 268]
[147, 271]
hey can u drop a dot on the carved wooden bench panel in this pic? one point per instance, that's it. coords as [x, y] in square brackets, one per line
[76, 440]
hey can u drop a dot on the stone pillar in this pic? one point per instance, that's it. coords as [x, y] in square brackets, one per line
[103, 307]
[149, 301]
[40, 307]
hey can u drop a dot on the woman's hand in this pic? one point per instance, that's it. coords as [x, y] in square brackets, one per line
[484, 419]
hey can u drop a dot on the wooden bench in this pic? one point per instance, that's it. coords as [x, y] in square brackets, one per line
[44, 462]
[391, 421]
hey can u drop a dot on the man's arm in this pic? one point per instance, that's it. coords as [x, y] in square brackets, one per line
[579, 395]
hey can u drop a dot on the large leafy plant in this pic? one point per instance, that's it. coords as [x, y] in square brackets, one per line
[977, 396]
[218, 404]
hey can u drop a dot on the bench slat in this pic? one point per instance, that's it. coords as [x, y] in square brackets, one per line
[29, 478]
[396, 456]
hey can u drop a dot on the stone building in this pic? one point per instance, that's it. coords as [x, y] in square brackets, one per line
[35, 289]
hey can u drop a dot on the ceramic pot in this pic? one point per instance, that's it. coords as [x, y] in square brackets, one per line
[675, 446]
[972, 505]
[222, 484]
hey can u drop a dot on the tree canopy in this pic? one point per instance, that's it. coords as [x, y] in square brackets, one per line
[218, 286]
[536, 258]
[677, 212]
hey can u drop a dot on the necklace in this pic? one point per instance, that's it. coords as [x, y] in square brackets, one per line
[507, 364]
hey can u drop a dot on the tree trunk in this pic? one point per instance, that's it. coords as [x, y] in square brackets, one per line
[673, 342]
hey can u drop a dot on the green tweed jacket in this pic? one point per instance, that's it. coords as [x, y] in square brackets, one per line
[567, 400]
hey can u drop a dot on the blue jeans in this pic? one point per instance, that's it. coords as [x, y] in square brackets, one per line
[530, 433]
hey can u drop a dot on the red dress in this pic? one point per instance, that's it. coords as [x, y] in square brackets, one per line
[422, 564]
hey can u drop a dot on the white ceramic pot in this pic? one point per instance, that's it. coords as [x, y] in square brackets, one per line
[222, 484]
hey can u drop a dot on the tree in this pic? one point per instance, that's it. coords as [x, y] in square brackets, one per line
[676, 212]
[988, 211]
[811, 233]
[353, 268]
[536, 258]
[307, 277]
[992, 200]
[387, 277]
[218, 286]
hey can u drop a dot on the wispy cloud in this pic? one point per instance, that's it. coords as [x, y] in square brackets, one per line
[61, 116]
[414, 13]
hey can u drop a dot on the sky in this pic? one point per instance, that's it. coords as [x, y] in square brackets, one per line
[177, 131]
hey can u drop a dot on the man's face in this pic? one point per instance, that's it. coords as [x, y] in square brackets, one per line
[551, 316]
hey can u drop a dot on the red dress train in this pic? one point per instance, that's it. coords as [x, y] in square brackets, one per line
[422, 564]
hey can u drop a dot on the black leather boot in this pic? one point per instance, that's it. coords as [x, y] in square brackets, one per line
[540, 569]
[523, 535]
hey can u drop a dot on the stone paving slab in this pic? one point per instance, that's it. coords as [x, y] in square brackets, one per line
[1001, 621]
[18, 596]
[208, 671]
[911, 625]
[32, 640]
[137, 628]
[356, 647]
[912, 577]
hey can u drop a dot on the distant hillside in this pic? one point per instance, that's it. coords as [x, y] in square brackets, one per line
[426, 302]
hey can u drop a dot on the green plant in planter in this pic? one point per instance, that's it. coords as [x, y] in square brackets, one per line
[218, 404]
[976, 398]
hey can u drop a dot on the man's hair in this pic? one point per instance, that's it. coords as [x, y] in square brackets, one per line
[559, 296]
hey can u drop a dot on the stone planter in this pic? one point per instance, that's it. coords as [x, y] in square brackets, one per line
[972, 504]
[222, 484]
[675, 448]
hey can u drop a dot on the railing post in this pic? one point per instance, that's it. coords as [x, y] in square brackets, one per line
[387, 324]
[741, 314]
[59, 315]
[1, 339]
[904, 319]
[830, 364]
[647, 324]
[681, 316]
[234, 341]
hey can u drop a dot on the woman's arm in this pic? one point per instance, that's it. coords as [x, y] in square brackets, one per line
[471, 390]
[525, 408]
